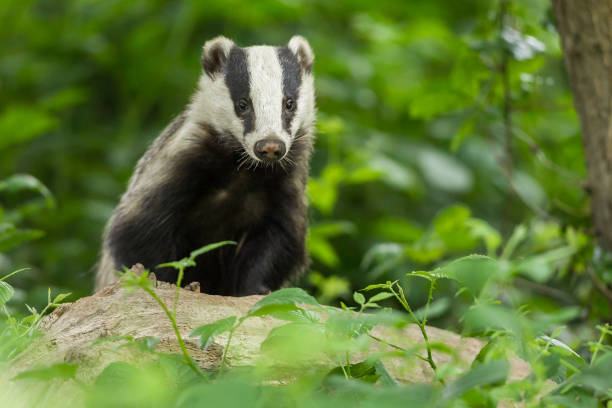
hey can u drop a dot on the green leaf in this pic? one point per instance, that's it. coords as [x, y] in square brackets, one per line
[385, 377]
[208, 332]
[560, 344]
[332, 228]
[358, 298]
[10, 236]
[25, 182]
[55, 371]
[183, 263]
[445, 172]
[209, 247]
[20, 124]
[274, 308]
[365, 371]
[131, 281]
[489, 235]
[363, 175]
[59, 298]
[472, 271]
[518, 235]
[287, 296]
[422, 274]
[394, 173]
[381, 296]
[437, 308]
[488, 373]
[378, 286]
[13, 273]
[397, 229]
[6, 292]
[298, 316]
[596, 377]
[117, 374]
[296, 342]
[321, 250]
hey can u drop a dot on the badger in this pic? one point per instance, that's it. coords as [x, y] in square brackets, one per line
[232, 166]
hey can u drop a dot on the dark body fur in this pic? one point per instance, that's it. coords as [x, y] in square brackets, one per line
[207, 199]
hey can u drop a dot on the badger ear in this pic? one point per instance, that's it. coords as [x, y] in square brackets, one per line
[215, 54]
[300, 47]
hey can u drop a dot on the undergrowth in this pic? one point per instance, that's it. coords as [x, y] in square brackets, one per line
[358, 355]
[325, 356]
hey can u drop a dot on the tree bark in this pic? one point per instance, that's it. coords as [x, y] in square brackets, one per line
[585, 27]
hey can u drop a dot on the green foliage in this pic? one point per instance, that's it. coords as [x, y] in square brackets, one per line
[17, 333]
[318, 355]
[20, 185]
[448, 165]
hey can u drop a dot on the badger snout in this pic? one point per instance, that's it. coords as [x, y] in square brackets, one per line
[270, 149]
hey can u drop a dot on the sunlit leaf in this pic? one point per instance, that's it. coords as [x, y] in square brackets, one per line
[358, 298]
[380, 296]
[483, 374]
[59, 298]
[6, 292]
[287, 296]
[20, 124]
[208, 332]
[473, 272]
[273, 309]
[209, 247]
[10, 236]
[445, 172]
[62, 371]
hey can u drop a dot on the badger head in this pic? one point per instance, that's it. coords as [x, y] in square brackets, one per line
[261, 97]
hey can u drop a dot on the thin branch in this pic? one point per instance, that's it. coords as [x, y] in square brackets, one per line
[179, 338]
[599, 284]
[507, 104]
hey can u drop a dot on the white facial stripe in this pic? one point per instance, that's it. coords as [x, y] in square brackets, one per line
[266, 94]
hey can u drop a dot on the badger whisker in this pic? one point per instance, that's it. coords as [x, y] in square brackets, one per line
[290, 162]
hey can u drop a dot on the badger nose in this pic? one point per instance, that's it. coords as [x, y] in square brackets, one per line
[270, 149]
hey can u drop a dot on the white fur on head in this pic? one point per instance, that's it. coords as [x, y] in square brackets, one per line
[301, 48]
[266, 80]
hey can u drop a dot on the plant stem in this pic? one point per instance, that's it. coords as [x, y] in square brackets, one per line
[178, 288]
[229, 340]
[402, 299]
[13, 273]
[188, 359]
[429, 298]
[344, 371]
[599, 343]
[348, 364]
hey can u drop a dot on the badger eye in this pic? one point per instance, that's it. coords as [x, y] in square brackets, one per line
[243, 105]
[289, 104]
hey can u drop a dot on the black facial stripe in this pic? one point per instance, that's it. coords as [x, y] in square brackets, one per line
[237, 81]
[292, 78]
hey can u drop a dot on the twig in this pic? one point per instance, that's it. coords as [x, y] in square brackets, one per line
[507, 106]
[599, 284]
[179, 338]
[402, 299]
[226, 349]
[546, 290]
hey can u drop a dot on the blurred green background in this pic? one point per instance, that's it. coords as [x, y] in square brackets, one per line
[442, 127]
